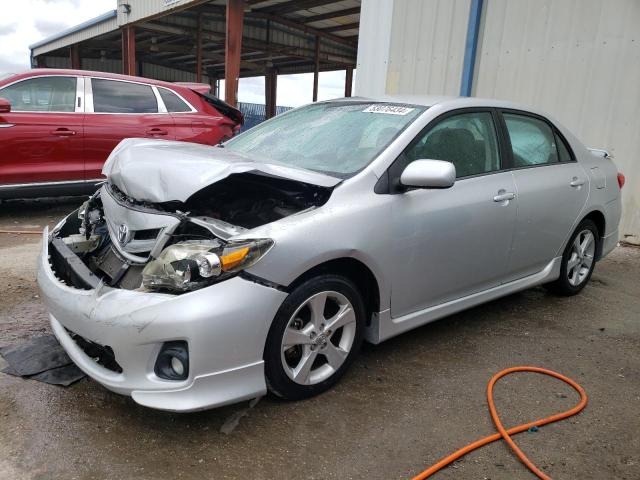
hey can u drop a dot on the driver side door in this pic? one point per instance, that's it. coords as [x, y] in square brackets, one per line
[450, 243]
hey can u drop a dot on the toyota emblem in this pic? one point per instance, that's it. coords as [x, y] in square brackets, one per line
[123, 234]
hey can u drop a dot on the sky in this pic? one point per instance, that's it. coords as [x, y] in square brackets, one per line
[27, 21]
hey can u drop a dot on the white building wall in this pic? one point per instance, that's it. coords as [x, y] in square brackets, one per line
[427, 46]
[142, 9]
[374, 40]
[579, 60]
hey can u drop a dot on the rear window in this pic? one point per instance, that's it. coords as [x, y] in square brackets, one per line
[110, 96]
[223, 107]
[173, 103]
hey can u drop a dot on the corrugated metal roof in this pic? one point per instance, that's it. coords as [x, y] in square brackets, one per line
[89, 29]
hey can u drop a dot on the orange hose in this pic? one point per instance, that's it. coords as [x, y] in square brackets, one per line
[22, 232]
[506, 434]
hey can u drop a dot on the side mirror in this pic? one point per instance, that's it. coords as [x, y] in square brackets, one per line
[5, 106]
[429, 174]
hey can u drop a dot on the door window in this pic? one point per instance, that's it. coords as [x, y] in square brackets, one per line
[42, 94]
[468, 140]
[532, 141]
[564, 154]
[111, 96]
[173, 103]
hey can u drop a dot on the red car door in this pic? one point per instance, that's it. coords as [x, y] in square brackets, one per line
[41, 138]
[118, 109]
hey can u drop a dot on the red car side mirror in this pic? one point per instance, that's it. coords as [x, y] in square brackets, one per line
[5, 106]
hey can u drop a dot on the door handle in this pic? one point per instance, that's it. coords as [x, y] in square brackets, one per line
[577, 182]
[504, 196]
[63, 132]
[157, 131]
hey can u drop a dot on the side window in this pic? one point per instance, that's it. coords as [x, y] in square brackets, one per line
[468, 140]
[564, 155]
[173, 103]
[532, 141]
[42, 94]
[110, 96]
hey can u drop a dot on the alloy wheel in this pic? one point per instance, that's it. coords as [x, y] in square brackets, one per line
[581, 258]
[318, 338]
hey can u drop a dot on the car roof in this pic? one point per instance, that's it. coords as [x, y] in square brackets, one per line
[448, 102]
[89, 73]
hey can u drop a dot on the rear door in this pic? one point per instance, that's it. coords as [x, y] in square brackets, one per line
[119, 109]
[41, 139]
[552, 190]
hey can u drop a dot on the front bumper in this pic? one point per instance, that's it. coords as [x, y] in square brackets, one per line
[225, 326]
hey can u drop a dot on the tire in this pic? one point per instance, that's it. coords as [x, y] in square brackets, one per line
[313, 356]
[577, 268]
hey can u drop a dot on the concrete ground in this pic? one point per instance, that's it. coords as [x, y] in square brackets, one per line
[403, 405]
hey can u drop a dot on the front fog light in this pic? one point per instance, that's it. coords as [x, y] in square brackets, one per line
[177, 366]
[173, 361]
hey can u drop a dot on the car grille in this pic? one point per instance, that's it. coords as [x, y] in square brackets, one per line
[101, 354]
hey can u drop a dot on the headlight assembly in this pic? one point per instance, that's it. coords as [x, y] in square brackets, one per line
[190, 265]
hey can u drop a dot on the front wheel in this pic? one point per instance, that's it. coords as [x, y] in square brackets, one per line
[314, 337]
[578, 260]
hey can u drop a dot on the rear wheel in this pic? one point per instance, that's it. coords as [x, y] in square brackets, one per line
[314, 337]
[578, 260]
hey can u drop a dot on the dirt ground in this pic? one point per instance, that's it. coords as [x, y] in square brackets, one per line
[404, 404]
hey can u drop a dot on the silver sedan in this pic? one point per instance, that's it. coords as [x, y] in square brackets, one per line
[200, 276]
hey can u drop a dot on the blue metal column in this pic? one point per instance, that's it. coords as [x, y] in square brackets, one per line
[471, 46]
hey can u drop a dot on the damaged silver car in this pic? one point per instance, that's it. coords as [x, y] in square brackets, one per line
[200, 276]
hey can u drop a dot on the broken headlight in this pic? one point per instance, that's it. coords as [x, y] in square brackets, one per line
[187, 266]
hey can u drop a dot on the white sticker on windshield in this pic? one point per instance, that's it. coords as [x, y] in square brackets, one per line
[388, 109]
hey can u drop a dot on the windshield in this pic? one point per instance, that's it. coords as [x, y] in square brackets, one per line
[336, 138]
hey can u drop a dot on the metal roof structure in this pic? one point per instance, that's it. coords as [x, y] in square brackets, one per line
[180, 40]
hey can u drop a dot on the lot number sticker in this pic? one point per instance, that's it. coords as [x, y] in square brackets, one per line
[388, 109]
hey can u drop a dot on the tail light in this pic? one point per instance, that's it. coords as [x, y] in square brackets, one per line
[621, 180]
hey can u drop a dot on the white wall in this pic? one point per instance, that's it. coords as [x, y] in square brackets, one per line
[427, 46]
[580, 61]
[577, 59]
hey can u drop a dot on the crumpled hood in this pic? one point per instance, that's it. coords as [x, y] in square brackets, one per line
[158, 171]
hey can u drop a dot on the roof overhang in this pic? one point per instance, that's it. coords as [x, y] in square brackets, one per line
[99, 25]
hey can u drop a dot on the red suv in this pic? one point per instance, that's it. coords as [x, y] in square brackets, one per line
[57, 127]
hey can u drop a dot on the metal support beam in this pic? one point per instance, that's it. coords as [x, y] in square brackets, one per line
[270, 92]
[235, 17]
[334, 14]
[471, 46]
[348, 82]
[74, 54]
[340, 28]
[305, 28]
[316, 70]
[128, 50]
[199, 50]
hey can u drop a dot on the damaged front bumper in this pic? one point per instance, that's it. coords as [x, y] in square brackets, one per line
[225, 327]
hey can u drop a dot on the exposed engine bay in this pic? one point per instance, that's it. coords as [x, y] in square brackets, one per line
[250, 200]
[175, 246]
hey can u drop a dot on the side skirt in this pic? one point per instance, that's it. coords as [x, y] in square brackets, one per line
[383, 326]
[49, 189]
